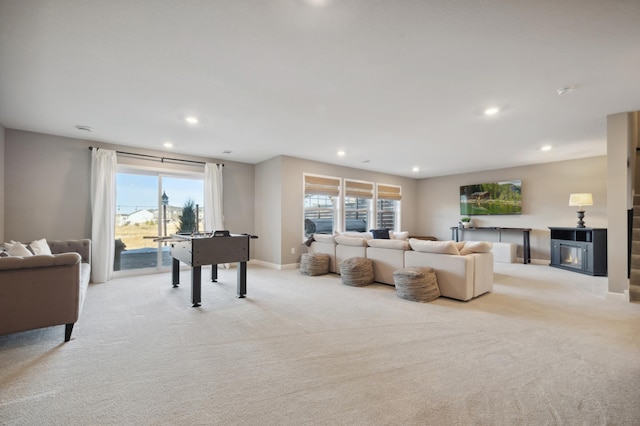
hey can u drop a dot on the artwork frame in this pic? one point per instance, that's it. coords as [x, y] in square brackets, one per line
[492, 198]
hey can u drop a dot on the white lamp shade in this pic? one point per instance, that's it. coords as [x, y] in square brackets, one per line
[581, 200]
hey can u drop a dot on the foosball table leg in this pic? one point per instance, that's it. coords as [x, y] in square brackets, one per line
[196, 287]
[175, 272]
[242, 279]
[214, 273]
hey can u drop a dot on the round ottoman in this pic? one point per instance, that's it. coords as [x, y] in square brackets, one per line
[357, 271]
[314, 264]
[417, 283]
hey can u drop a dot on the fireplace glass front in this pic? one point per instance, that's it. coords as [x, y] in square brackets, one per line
[571, 256]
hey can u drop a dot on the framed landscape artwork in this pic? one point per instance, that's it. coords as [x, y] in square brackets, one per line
[491, 198]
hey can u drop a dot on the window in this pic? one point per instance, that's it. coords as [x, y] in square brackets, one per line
[151, 204]
[388, 206]
[320, 204]
[358, 205]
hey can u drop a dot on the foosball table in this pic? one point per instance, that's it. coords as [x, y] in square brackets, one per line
[197, 250]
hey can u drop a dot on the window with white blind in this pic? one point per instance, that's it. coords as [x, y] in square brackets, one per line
[388, 199]
[321, 195]
[358, 205]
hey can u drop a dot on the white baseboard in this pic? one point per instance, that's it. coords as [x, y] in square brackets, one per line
[274, 265]
[624, 297]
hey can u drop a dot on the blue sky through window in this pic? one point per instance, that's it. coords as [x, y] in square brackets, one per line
[140, 192]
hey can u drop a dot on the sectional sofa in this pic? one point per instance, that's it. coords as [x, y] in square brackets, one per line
[464, 269]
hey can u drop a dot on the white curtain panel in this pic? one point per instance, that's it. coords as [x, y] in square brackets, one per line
[103, 209]
[213, 218]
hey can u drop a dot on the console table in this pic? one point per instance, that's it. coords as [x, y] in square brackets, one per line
[457, 233]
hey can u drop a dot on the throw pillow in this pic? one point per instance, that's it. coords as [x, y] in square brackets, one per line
[40, 247]
[476, 247]
[404, 235]
[380, 234]
[15, 248]
[441, 247]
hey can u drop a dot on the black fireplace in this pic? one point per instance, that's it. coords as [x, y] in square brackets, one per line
[581, 250]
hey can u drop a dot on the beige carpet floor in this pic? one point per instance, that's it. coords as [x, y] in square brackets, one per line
[546, 347]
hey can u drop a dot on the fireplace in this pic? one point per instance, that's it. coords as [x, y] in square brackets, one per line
[581, 250]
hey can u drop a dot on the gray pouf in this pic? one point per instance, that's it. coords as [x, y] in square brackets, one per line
[357, 271]
[314, 264]
[417, 283]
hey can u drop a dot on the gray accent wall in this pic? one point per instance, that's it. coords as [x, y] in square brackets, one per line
[545, 197]
[47, 186]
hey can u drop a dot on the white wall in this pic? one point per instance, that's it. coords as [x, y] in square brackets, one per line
[47, 186]
[619, 196]
[268, 211]
[545, 201]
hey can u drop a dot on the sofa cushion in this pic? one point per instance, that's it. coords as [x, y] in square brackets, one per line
[324, 238]
[40, 246]
[351, 241]
[367, 235]
[441, 247]
[389, 244]
[380, 234]
[476, 247]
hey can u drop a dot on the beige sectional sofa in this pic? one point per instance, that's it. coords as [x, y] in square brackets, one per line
[464, 270]
[45, 289]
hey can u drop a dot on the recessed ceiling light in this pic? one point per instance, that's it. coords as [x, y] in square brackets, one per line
[341, 153]
[565, 90]
[317, 3]
[191, 120]
[366, 161]
[168, 144]
[226, 151]
[491, 111]
[546, 148]
[416, 169]
[84, 128]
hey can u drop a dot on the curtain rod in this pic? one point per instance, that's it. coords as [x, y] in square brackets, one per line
[158, 158]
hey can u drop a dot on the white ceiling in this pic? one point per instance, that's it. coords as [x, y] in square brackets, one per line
[396, 84]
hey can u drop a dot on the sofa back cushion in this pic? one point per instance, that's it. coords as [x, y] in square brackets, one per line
[351, 241]
[389, 244]
[440, 247]
[324, 238]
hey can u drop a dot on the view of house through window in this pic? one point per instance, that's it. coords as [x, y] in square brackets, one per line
[149, 205]
[364, 205]
[320, 203]
[358, 205]
[388, 207]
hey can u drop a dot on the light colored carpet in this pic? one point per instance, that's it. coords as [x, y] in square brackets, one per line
[545, 348]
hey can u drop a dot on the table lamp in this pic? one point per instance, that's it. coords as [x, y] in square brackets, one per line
[580, 200]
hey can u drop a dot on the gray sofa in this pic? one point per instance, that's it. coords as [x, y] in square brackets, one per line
[45, 290]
